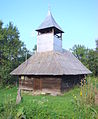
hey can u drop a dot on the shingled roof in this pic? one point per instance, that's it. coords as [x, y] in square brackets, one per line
[49, 22]
[51, 63]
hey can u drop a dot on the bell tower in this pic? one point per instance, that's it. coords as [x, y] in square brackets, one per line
[49, 36]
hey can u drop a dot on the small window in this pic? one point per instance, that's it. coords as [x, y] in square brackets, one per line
[22, 77]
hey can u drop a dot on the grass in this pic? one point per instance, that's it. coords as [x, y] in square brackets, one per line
[38, 107]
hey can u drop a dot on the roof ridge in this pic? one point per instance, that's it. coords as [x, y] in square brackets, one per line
[52, 18]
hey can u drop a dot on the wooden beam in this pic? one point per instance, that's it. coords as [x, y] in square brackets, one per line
[53, 30]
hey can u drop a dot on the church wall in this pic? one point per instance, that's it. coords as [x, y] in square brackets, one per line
[57, 44]
[46, 84]
[48, 42]
[26, 83]
[70, 81]
[45, 42]
[50, 84]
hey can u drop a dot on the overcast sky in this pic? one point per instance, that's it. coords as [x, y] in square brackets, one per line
[77, 18]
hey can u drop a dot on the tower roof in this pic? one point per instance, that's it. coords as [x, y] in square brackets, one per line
[49, 22]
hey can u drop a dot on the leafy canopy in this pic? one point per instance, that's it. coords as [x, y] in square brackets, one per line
[88, 57]
[12, 51]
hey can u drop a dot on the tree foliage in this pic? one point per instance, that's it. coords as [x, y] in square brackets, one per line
[88, 57]
[97, 45]
[81, 53]
[12, 51]
[35, 48]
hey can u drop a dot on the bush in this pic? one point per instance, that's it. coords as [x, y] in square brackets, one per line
[8, 108]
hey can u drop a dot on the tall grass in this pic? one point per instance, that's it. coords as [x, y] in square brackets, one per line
[85, 102]
[78, 103]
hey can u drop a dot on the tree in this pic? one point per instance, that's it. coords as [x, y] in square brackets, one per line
[97, 45]
[35, 48]
[93, 61]
[81, 53]
[12, 51]
[88, 57]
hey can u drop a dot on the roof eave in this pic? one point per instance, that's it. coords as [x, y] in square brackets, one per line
[39, 29]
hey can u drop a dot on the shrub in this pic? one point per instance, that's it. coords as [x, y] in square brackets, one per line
[8, 108]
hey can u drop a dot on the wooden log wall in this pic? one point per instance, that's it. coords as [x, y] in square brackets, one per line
[40, 83]
[51, 83]
[26, 83]
[70, 81]
[47, 83]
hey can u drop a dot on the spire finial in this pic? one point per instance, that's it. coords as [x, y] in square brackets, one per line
[49, 9]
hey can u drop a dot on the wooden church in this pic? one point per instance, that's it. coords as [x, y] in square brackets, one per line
[51, 69]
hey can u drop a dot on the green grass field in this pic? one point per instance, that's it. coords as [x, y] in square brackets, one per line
[42, 106]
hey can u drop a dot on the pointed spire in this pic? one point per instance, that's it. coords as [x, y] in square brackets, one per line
[49, 22]
[49, 13]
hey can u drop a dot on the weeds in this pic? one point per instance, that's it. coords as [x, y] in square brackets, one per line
[84, 103]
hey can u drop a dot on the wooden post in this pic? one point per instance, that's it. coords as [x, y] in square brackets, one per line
[61, 36]
[53, 31]
[18, 99]
[38, 33]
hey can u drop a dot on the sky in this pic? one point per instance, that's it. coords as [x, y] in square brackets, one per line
[77, 18]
